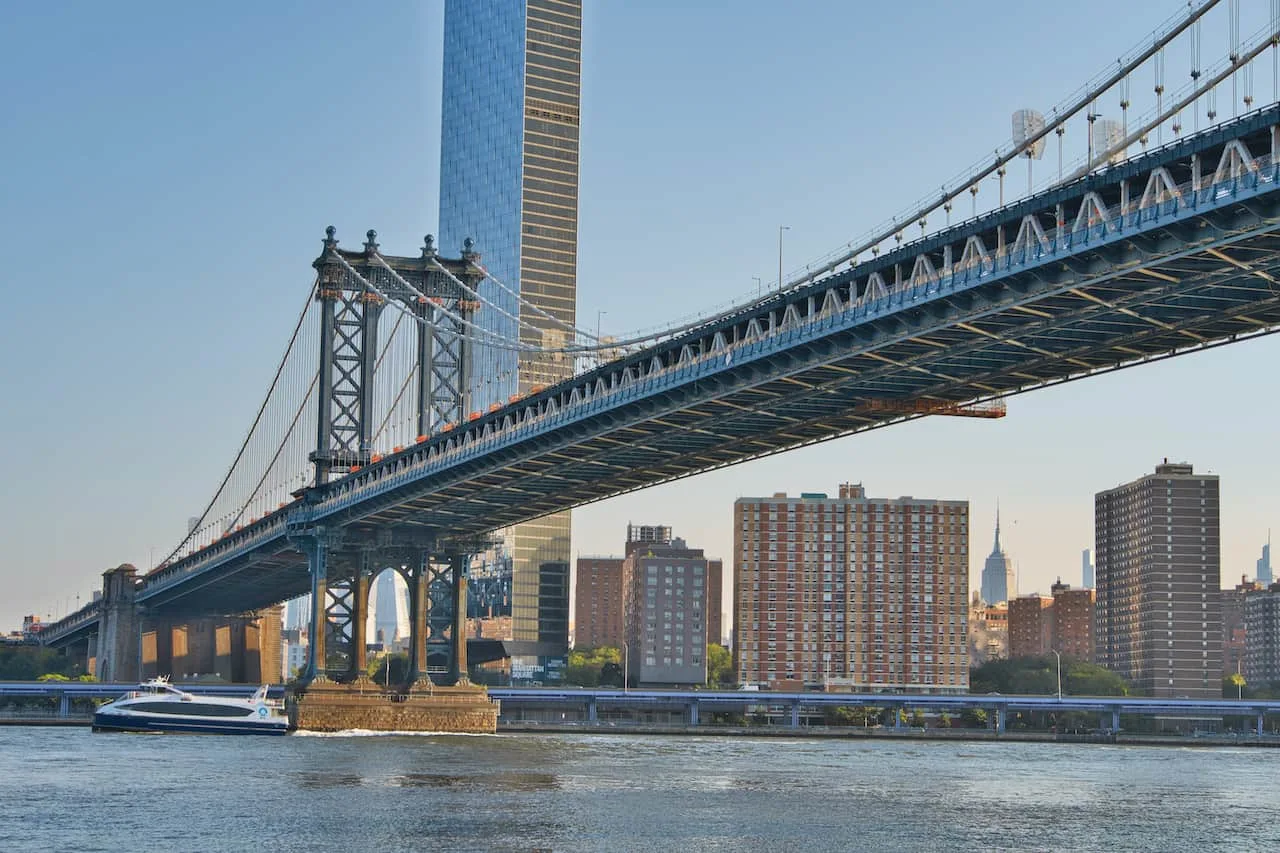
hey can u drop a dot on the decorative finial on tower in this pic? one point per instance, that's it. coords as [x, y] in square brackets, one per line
[371, 238]
[428, 246]
[997, 526]
[330, 241]
[468, 246]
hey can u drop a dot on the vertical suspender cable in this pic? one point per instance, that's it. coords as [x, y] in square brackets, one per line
[1233, 28]
[1158, 67]
[1195, 72]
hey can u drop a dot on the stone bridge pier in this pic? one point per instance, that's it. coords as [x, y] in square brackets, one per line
[335, 692]
[118, 648]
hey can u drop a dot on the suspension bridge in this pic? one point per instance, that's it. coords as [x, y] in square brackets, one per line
[376, 447]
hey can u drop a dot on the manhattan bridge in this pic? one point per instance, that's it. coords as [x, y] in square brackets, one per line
[372, 448]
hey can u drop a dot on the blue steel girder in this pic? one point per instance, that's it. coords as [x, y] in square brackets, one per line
[1238, 223]
[1138, 282]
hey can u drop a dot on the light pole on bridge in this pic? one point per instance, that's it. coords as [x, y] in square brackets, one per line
[1059, 657]
[781, 228]
[600, 359]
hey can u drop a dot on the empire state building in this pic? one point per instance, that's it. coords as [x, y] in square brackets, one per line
[998, 580]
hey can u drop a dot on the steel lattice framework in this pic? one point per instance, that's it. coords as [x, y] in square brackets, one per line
[1168, 253]
[353, 288]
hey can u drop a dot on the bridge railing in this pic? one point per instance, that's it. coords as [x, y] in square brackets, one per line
[1094, 222]
[70, 623]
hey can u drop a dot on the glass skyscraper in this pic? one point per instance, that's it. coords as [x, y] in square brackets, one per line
[509, 179]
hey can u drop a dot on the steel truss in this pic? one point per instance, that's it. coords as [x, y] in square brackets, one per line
[350, 309]
[928, 302]
[1171, 252]
[342, 566]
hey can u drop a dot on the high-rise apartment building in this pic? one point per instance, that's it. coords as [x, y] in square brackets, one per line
[1072, 633]
[1158, 616]
[598, 602]
[1261, 663]
[1234, 629]
[1030, 626]
[852, 592]
[1063, 622]
[509, 179]
[643, 535]
[672, 593]
[998, 580]
[603, 586]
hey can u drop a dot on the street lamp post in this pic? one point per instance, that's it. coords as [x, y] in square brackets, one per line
[781, 228]
[1059, 657]
[599, 345]
[626, 665]
[759, 285]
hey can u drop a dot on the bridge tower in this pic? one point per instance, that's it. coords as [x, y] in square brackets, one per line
[119, 653]
[353, 289]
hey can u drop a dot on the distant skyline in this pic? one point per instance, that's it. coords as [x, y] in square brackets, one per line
[171, 173]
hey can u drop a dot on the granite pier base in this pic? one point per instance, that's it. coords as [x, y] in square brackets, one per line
[325, 706]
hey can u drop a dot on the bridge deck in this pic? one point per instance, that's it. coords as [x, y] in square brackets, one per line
[1094, 280]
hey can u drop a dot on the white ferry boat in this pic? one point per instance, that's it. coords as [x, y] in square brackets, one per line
[158, 706]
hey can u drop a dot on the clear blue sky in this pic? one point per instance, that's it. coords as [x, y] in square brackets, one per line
[168, 170]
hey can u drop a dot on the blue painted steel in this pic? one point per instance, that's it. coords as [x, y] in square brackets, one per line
[739, 699]
[717, 699]
[801, 379]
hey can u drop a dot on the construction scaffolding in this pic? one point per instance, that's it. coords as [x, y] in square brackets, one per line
[990, 409]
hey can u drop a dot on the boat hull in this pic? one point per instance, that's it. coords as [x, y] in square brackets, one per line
[157, 723]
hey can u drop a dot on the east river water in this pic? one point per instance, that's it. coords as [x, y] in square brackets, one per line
[70, 790]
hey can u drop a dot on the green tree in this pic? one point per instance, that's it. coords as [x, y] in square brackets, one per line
[1038, 676]
[585, 665]
[390, 668]
[1237, 681]
[841, 715]
[719, 666]
[917, 718]
[1088, 679]
[611, 675]
[974, 718]
[27, 663]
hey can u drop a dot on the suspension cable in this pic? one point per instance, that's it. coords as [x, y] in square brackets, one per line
[253, 427]
[534, 308]
[1208, 86]
[1073, 107]
[306, 400]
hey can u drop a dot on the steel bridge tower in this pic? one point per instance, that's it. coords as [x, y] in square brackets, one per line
[353, 288]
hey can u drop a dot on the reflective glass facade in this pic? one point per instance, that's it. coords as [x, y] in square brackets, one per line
[509, 179]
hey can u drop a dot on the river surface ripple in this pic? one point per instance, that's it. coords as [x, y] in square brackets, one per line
[70, 790]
